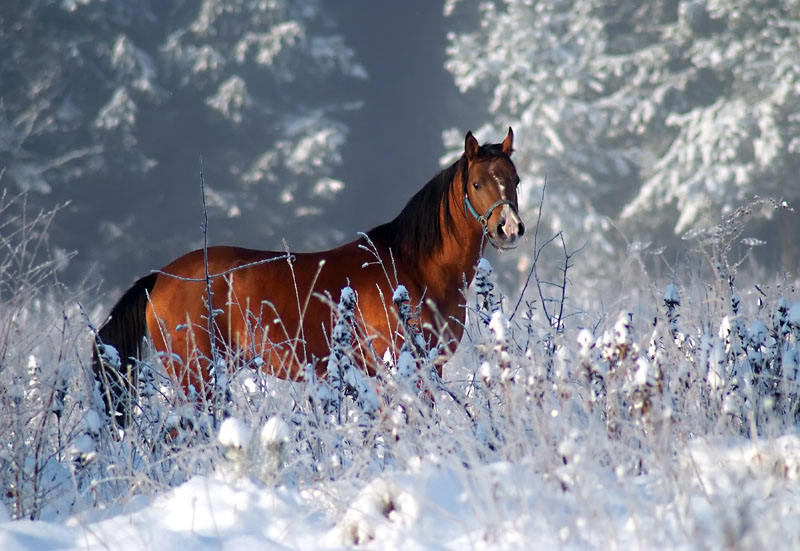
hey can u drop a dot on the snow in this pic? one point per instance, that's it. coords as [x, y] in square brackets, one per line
[327, 187]
[794, 315]
[585, 342]
[622, 328]
[498, 325]
[643, 376]
[119, 111]
[435, 505]
[275, 431]
[672, 295]
[484, 266]
[231, 99]
[406, 365]
[400, 294]
[234, 433]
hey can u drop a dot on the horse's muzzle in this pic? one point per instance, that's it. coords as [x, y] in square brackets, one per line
[508, 231]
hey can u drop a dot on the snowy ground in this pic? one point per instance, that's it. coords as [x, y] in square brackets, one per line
[734, 487]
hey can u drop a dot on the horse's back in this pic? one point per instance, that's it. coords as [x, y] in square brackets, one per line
[221, 259]
[265, 302]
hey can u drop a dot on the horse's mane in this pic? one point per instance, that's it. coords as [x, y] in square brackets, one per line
[417, 230]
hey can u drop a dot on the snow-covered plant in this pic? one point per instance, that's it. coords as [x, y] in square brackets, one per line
[340, 360]
[48, 428]
[274, 439]
[487, 303]
[235, 438]
[592, 370]
[343, 376]
[407, 364]
[259, 456]
[672, 300]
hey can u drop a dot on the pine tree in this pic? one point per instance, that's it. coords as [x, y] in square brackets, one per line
[106, 103]
[658, 116]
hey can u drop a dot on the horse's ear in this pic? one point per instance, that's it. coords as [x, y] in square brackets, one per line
[470, 146]
[508, 143]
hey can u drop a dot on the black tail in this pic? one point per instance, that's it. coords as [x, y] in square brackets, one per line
[125, 330]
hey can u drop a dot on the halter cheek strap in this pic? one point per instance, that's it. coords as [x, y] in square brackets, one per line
[484, 220]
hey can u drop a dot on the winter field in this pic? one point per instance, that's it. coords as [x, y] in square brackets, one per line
[667, 418]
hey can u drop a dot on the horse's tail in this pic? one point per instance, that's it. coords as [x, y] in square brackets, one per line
[125, 330]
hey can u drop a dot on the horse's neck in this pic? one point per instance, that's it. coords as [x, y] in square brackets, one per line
[459, 257]
[446, 269]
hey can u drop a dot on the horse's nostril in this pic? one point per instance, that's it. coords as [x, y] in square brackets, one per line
[501, 227]
[521, 230]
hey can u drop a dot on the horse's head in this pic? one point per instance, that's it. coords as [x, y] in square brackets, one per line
[490, 190]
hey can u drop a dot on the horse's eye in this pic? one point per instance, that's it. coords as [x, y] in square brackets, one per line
[476, 185]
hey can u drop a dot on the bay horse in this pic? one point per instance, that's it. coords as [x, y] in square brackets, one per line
[274, 309]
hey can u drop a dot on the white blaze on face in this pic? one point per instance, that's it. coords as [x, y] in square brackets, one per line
[511, 221]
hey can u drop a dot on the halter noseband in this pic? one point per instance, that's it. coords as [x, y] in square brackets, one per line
[484, 220]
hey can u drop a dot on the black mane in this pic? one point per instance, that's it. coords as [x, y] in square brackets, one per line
[416, 231]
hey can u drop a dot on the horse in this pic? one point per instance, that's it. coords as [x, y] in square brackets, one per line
[274, 309]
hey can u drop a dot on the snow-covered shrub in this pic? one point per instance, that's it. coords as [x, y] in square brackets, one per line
[48, 430]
